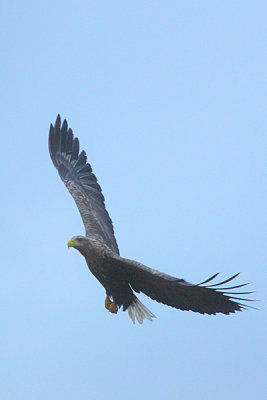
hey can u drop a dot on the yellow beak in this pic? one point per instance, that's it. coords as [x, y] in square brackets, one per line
[70, 243]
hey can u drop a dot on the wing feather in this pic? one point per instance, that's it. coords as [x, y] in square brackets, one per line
[82, 184]
[178, 293]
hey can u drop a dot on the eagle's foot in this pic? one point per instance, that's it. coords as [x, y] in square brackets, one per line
[113, 308]
[108, 302]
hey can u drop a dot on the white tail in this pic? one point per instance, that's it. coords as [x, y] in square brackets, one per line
[137, 310]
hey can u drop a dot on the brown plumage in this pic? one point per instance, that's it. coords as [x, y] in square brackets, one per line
[119, 276]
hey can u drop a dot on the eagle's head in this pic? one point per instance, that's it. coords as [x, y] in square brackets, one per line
[79, 242]
[90, 248]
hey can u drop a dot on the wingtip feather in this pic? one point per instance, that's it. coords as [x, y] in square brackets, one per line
[58, 121]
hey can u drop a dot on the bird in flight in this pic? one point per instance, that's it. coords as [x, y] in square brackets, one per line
[121, 277]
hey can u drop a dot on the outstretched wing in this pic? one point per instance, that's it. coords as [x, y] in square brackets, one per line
[82, 184]
[178, 293]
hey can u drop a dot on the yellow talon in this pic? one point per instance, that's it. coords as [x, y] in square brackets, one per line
[113, 308]
[108, 302]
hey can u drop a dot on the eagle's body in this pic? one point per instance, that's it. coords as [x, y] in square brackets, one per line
[100, 261]
[119, 276]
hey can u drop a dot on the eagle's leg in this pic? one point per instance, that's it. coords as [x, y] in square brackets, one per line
[113, 308]
[108, 302]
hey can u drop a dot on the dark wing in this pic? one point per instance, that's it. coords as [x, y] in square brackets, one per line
[82, 184]
[177, 293]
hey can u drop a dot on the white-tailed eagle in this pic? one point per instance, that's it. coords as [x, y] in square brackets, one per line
[122, 278]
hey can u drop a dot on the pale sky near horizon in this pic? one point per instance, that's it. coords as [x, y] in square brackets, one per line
[169, 101]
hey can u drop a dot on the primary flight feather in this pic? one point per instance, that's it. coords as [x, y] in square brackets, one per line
[119, 276]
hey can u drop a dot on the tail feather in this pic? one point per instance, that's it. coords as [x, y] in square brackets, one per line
[137, 310]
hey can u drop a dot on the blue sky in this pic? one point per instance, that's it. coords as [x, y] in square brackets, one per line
[167, 99]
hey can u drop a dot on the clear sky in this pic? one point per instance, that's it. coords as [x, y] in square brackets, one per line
[167, 99]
